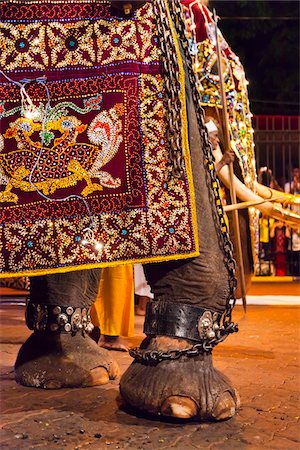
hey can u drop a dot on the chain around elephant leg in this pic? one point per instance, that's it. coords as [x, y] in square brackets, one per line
[173, 374]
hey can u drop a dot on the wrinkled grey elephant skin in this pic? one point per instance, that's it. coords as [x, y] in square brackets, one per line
[53, 360]
[187, 387]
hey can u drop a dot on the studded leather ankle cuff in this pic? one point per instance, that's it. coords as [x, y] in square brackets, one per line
[181, 320]
[61, 319]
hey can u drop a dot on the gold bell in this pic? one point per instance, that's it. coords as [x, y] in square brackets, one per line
[127, 8]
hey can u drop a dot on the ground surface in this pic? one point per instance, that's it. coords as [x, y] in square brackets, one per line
[262, 361]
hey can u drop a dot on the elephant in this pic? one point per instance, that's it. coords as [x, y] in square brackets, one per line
[199, 286]
[194, 292]
[172, 373]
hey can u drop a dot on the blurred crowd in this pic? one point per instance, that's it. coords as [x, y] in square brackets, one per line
[279, 250]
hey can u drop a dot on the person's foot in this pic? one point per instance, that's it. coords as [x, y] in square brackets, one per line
[113, 343]
[141, 306]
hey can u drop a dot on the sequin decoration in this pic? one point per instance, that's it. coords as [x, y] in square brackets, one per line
[23, 46]
[202, 42]
[80, 43]
[103, 139]
[201, 28]
[71, 44]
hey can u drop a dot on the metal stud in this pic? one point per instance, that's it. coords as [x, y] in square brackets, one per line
[62, 318]
[69, 310]
[89, 327]
[210, 334]
[67, 327]
[56, 310]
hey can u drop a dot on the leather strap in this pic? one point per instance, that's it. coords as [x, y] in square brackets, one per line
[181, 320]
[58, 318]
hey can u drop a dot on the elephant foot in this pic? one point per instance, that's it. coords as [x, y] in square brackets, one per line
[184, 388]
[58, 360]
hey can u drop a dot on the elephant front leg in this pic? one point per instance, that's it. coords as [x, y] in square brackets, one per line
[60, 353]
[173, 373]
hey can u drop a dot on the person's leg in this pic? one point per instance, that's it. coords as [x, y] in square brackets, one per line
[115, 307]
[117, 343]
[140, 309]
[60, 352]
[141, 289]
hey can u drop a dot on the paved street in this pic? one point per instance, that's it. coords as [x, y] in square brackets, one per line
[262, 361]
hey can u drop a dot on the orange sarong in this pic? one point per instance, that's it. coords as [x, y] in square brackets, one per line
[113, 310]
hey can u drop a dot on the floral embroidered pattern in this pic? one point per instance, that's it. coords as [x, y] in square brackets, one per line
[130, 39]
[125, 235]
[116, 42]
[69, 238]
[25, 246]
[148, 48]
[53, 10]
[71, 44]
[23, 46]
[102, 140]
[83, 43]
[169, 219]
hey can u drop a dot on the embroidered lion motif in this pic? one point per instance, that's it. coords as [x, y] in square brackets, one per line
[52, 157]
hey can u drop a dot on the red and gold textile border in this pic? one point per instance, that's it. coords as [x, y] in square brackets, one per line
[104, 144]
[199, 20]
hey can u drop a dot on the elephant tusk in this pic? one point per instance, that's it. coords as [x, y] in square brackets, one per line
[273, 194]
[265, 205]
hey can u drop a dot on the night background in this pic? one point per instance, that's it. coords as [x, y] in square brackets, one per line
[265, 36]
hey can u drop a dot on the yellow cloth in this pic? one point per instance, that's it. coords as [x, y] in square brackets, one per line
[265, 224]
[113, 310]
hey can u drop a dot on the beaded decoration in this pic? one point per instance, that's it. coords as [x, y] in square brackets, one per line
[201, 33]
[83, 135]
[203, 46]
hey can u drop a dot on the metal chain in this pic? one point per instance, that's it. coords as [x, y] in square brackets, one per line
[178, 19]
[171, 86]
[205, 346]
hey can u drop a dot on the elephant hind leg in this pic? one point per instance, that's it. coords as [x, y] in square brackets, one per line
[60, 353]
[53, 361]
[185, 388]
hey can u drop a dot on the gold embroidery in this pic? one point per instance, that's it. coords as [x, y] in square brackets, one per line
[71, 44]
[23, 46]
[66, 162]
[116, 40]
